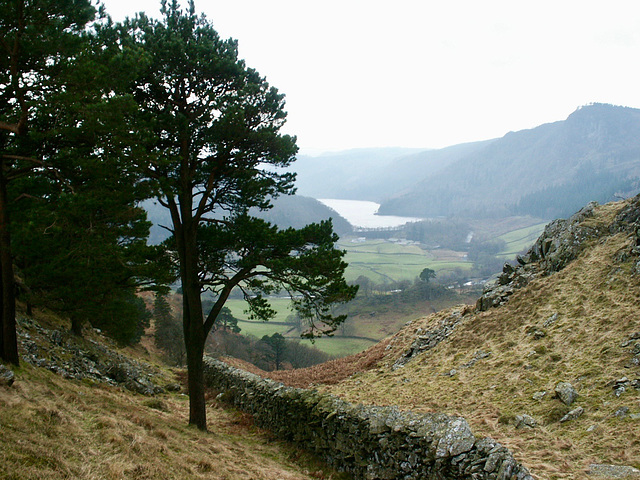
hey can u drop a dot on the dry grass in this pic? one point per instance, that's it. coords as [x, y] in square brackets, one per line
[596, 301]
[56, 429]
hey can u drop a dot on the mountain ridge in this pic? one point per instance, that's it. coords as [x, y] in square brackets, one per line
[595, 142]
[548, 171]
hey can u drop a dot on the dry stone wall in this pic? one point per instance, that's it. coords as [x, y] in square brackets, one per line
[366, 441]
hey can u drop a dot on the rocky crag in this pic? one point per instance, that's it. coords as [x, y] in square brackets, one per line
[87, 359]
[548, 361]
[560, 243]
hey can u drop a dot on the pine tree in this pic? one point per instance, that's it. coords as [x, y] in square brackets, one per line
[214, 152]
[168, 332]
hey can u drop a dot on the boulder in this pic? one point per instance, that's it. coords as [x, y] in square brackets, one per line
[566, 393]
[7, 377]
[525, 420]
[572, 415]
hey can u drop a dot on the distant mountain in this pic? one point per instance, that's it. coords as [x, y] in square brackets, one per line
[288, 211]
[548, 171]
[297, 211]
[349, 175]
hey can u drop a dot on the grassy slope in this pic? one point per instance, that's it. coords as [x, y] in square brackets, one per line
[596, 301]
[60, 429]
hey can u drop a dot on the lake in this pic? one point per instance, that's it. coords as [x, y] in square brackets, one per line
[363, 214]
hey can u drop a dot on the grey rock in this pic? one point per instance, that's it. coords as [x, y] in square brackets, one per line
[599, 470]
[426, 340]
[539, 395]
[456, 439]
[538, 334]
[566, 393]
[7, 377]
[525, 420]
[479, 355]
[550, 321]
[572, 415]
[621, 412]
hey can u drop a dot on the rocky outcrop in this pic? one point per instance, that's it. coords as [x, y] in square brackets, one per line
[428, 339]
[560, 243]
[7, 377]
[609, 472]
[78, 358]
[369, 442]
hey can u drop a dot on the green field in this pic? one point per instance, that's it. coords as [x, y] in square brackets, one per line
[280, 305]
[386, 262]
[519, 240]
[381, 261]
[335, 346]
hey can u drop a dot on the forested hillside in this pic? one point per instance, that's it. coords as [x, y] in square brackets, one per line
[371, 174]
[547, 172]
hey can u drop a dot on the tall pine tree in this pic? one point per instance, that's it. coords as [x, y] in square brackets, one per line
[214, 152]
[38, 40]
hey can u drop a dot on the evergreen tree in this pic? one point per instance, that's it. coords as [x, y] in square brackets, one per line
[226, 321]
[427, 274]
[214, 152]
[168, 333]
[81, 237]
[276, 351]
[38, 40]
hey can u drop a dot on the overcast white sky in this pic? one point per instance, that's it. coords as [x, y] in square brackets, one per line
[423, 73]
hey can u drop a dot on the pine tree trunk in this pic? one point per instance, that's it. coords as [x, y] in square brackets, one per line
[193, 325]
[8, 337]
[76, 326]
[194, 339]
[197, 405]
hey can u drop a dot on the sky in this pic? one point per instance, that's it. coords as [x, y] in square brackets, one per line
[425, 73]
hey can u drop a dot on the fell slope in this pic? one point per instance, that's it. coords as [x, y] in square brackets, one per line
[568, 314]
[64, 414]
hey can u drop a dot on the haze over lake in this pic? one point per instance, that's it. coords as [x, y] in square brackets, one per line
[363, 214]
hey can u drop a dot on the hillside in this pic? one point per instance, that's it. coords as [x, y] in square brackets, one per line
[568, 314]
[86, 409]
[371, 174]
[547, 172]
[288, 211]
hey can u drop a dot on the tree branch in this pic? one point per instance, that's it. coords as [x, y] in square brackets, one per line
[224, 295]
[10, 127]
